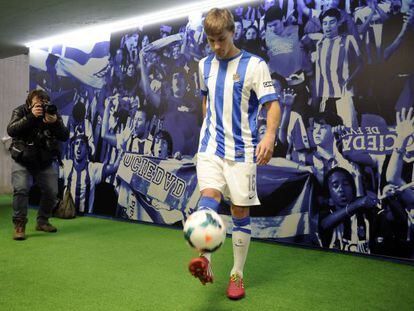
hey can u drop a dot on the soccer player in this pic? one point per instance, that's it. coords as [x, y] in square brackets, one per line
[234, 84]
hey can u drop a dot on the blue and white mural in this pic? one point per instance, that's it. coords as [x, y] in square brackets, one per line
[342, 172]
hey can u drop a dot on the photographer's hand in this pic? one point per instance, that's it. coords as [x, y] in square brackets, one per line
[50, 118]
[37, 110]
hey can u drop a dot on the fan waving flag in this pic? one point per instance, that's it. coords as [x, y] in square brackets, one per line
[85, 53]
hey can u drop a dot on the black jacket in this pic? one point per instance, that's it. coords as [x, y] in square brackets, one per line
[27, 130]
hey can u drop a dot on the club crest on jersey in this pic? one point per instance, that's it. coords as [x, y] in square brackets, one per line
[236, 77]
[267, 84]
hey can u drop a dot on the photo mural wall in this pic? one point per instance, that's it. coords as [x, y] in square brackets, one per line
[342, 171]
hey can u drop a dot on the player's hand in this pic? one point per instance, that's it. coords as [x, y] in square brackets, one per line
[37, 110]
[50, 118]
[264, 150]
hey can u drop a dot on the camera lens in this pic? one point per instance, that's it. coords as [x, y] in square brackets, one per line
[50, 108]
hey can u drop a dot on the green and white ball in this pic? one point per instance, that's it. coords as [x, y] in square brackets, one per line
[205, 231]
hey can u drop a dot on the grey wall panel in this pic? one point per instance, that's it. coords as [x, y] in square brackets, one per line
[14, 85]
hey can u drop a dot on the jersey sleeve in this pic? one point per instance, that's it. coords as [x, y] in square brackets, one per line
[263, 84]
[203, 87]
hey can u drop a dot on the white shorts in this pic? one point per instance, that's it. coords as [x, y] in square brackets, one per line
[234, 179]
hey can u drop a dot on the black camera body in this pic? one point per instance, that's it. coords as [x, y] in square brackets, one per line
[49, 108]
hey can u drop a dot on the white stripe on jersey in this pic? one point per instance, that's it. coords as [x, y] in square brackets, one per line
[234, 88]
[334, 67]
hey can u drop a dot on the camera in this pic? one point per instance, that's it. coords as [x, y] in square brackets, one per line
[49, 108]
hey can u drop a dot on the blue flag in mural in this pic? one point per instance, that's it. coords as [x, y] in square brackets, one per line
[87, 64]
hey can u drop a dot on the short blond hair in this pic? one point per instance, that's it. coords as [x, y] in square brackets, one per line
[218, 20]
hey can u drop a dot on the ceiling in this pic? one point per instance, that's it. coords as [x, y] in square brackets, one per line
[25, 21]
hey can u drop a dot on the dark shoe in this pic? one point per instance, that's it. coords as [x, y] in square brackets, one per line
[47, 227]
[19, 229]
[19, 233]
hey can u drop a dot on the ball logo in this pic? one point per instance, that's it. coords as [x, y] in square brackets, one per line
[236, 77]
[210, 221]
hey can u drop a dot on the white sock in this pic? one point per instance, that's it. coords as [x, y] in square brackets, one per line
[207, 255]
[241, 241]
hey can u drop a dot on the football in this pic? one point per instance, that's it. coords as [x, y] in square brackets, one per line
[205, 231]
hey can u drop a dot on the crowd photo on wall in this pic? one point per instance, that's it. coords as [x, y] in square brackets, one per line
[341, 175]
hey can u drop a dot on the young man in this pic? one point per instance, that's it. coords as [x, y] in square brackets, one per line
[162, 146]
[335, 68]
[346, 223]
[286, 55]
[234, 84]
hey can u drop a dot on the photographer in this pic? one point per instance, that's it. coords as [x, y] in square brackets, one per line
[35, 128]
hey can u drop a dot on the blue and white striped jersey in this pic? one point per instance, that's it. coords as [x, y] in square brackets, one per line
[333, 65]
[82, 183]
[235, 88]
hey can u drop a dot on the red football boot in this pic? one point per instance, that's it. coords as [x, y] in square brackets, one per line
[200, 267]
[235, 290]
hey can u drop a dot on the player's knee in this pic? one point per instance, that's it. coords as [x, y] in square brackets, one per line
[240, 211]
[212, 193]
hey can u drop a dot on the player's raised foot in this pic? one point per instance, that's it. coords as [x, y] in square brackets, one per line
[200, 268]
[235, 290]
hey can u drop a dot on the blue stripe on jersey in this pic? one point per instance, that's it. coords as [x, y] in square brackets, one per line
[237, 97]
[204, 93]
[319, 72]
[341, 60]
[252, 115]
[205, 139]
[218, 105]
[328, 67]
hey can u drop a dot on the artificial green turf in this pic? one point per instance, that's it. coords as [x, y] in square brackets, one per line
[101, 264]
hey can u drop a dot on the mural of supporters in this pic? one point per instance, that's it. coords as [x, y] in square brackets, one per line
[341, 175]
